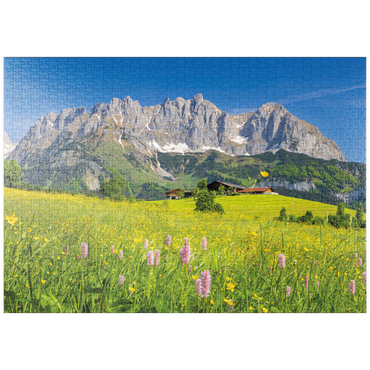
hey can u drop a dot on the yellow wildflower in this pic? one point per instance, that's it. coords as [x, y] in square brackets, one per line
[231, 286]
[12, 219]
[131, 289]
[46, 240]
[228, 279]
[229, 302]
[264, 174]
[264, 310]
[251, 308]
[43, 281]
[195, 277]
[212, 301]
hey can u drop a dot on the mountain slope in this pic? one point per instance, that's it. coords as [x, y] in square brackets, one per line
[8, 145]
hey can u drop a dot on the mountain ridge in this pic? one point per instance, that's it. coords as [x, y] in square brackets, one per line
[181, 126]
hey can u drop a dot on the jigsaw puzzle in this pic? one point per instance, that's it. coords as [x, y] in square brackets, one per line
[184, 185]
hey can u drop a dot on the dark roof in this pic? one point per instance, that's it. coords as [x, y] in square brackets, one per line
[226, 184]
[170, 191]
[252, 190]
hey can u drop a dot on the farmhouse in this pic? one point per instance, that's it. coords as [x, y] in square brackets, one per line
[216, 184]
[174, 193]
[267, 190]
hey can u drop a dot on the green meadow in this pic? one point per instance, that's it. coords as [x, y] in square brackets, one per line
[240, 270]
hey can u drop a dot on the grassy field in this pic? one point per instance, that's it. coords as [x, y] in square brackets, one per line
[242, 257]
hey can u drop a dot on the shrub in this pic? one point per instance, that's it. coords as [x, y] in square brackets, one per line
[293, 218]
[218, 208]
[318, 220]
[205, 200]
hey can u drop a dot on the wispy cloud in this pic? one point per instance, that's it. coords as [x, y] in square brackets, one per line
[317, 94]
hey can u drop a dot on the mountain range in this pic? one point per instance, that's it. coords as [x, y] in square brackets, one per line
[79, 149]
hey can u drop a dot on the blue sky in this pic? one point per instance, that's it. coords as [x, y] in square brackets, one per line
[329, 93]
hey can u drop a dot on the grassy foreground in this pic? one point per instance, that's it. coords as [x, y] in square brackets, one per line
[241, 254]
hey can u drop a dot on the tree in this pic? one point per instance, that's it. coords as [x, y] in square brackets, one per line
[359, 215]
[341, 209]
[12, 173]
[195, 193]
[202, 184]
[205, 200]
[181, 194]
[283, 215]
[114, 188]
[221, 190]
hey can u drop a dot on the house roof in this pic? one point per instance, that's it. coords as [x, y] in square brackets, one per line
[252, 190]
[226, 184]
[178, 189]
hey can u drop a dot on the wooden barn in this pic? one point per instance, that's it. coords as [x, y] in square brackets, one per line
[266, 190]
[174, 193]
[216, 184]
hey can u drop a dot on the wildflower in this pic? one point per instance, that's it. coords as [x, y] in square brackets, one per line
[12, 219]
[195, 268]
[105, 267]
[313, 262]
[43, 281]
[145, 243]
[204, 243]
[168, 241]
[231, 286]
[281, 261]
[228, 279]
[120, 254]
[251, 308]
[156, 258]
[352, 287]
[67, 248]
[264, 174]
[198, 286]
[150, 258]
[46, 240]
[112, 248]
[306, 282]
[264, 310]
[131, 290]
[84, 249]
[364, 277]
[317, 283]
[229, 302]
[190, 269]
[356, 255]
[206, 282]
[360, 261]
[195, 277]
[288, 290]
[121, 281]
[185, 254]
[52, 254]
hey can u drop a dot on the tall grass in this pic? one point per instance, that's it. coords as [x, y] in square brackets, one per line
[242, 256]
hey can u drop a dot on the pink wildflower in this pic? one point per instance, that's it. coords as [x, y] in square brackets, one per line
[204, 243]
[360, 261]
[145, 243]
[288, 290]
[317, 283]
[120, 255]
[105, 267]
[314, 261]
[352, 287]
[186, 241]
[112, 248]
[199, 287]
[281, 261]
[156, 258]
[356, 255]
[150, 258]
[364, 277]
[121, 281]
[191, 269]
[306, 282]
[53, 254]
[84, 249]
[185, 255]
[195, 268]
[206, 282]
[67, 249]
[168, 241]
